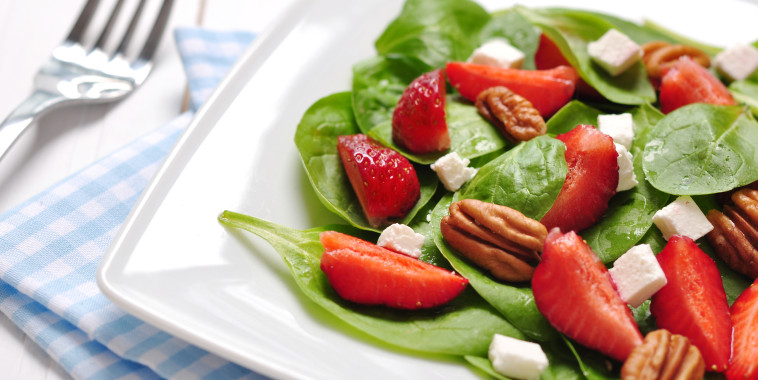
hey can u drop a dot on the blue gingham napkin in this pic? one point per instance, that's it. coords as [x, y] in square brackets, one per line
[50, 247]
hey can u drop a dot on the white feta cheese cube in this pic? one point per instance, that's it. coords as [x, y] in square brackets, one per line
[627, 178]
[614, 52]
[402, 239]
[637, 275]
[517, 358]
[682, 217]
[453, 170]
[738, 62]
[620, 127]
[498, 52]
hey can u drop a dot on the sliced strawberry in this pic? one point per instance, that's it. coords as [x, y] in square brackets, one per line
[573, 290]
[384, 181]
[590, 183]
[744, 315]
[548, 56]
[693, 302]
[367, 274]
[418, 123]
[547, 90]
[687, 82]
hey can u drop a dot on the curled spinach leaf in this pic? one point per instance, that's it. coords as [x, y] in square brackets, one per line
[702, 149]
[464, 326]
[316, 140]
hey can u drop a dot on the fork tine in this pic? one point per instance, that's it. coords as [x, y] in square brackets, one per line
[81, 23]
[130, 29]
[155, 35]
[109, 26]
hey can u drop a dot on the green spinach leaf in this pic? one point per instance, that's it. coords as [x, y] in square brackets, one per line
[512, 26]
[644, 318]
[316, 140]
[471, 135]
[711, 50]
[378, 84]
[562, 364]
[572, 30]
[420, 224]
[655, 239]
[571, 115]
[746, 91]
[434, 32]
[650, 31]
[594, 365]
[527, 178]
[464, 326]
[485, 366]
[702, 149]
[515, 302]
[638, 33]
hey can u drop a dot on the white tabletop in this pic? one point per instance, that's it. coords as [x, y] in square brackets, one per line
[67, 140]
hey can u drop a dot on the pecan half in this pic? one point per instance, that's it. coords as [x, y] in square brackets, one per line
[664, 356]
[497, 238]
[658, 55]
[735, 232]
[513, 115]
[650, 47]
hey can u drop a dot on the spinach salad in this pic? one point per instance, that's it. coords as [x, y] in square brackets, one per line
[699, 150]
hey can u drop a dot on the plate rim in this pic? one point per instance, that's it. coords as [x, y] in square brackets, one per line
[203, 121]
[186, 146]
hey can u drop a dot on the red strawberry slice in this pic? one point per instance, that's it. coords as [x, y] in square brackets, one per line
[573, 290]
[590, 183]
[547, 90]
[367, 274]
[384, 181]
[693, 302]
[744, 315]
[418, 123]
[687, 82]
[548, 56]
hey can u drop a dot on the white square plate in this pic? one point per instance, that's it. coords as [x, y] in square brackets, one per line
[176, 267]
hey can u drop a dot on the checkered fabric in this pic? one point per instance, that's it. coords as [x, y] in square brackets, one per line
[206, 56]
[50, 247]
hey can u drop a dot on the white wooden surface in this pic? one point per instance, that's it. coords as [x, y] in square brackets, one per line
[67, 140]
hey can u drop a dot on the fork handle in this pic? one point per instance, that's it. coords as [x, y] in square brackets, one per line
[21, 117]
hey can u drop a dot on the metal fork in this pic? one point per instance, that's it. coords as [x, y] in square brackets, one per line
[75, 74]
